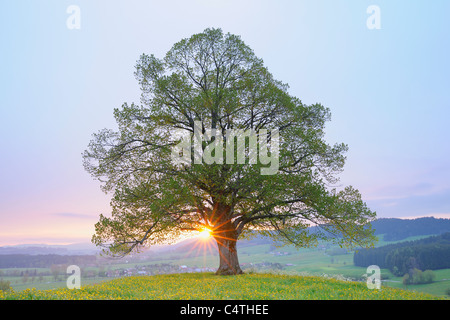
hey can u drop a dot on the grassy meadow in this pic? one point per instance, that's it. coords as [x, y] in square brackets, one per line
[207, 286]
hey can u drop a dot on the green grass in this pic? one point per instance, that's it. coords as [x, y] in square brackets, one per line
[209, 286]
[438, 287]
[311, 262]
[50, 283]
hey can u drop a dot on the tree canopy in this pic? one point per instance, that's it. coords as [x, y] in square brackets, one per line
[215, 79]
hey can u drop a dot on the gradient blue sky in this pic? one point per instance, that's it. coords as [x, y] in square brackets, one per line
[388, 91]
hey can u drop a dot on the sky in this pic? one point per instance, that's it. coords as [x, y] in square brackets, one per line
[386, 84]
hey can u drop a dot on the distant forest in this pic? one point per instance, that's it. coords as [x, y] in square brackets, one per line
[425, 254]
[43, 261]
[399, 229]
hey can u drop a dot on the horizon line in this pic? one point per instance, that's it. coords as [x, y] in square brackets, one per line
[85, 241]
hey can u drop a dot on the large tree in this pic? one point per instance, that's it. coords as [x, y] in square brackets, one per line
[216, 80]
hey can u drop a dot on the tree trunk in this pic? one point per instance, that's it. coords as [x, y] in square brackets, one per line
[225, 234]
[229, 263]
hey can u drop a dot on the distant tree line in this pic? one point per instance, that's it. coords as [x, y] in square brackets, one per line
[430, 253]
[43, 261]
[399, 229]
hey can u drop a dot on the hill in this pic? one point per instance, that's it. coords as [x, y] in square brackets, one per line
[43, 260]
[392, 229]
[204, 286]
[45, 249]
[399, 229]
[425, 254]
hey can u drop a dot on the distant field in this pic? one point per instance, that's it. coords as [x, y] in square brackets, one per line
[438, 287]
[209, 286]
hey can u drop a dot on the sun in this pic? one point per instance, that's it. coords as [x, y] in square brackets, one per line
[205, 233]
